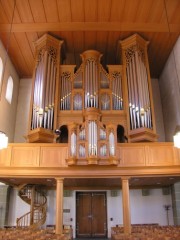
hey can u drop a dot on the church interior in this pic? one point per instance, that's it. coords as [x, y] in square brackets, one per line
[89, 119]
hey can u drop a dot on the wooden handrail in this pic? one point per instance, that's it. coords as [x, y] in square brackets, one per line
[39, 209]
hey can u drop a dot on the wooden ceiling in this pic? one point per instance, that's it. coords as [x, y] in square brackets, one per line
[97, 183]
[88, 24]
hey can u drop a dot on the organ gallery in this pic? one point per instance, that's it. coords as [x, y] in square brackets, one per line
[92, 107]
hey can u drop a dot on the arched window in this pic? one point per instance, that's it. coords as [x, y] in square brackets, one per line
[9, 89]
[1, 70]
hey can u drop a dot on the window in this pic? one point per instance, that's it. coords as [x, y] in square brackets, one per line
[1, 70]
[9, 90]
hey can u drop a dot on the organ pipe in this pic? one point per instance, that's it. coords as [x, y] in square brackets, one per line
[45, 75]
[66, 89]
[139, 95]
[117, 97]
[91, 78]
[44, 92]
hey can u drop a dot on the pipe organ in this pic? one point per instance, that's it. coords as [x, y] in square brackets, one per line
[92, 102]
[140, 103]
[43, 114]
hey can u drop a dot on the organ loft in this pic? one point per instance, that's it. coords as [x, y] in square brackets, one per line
[91, 108]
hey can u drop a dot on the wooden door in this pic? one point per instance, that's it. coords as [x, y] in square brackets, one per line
[91, 220]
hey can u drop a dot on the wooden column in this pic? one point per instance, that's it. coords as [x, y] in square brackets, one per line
[59, 206]
[126, 205]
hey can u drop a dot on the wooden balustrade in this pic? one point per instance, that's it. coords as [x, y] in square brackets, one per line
[55, 155]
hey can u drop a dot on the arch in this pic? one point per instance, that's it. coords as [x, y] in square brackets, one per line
[9, 89]
[63, 134]
[121, 138]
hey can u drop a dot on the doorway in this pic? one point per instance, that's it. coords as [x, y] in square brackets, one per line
[91, 215]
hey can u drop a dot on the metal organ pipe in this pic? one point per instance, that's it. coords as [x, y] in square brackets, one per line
[73, 144]
[91, 83]
[138, 91]
[111, 144]
[65, 91]
[130, 97]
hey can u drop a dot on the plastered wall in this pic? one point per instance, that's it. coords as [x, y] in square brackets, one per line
[144, 209]
[7, 110]
[169, 82]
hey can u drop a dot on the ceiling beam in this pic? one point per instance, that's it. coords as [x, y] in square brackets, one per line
[91, 26]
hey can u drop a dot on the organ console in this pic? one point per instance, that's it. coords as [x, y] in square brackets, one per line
[92, 102]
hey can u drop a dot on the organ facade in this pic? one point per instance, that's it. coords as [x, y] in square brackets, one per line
[92, 108]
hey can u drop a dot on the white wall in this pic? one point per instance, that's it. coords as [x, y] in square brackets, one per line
[8, 111]
[23, 108]
[158, 109]
[144, 209]
[170, 92]
[150, 209]
[17, 207]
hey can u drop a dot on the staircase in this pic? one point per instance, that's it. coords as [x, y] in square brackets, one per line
[35, 197]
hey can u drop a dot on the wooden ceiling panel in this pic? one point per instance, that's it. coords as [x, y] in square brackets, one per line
[16, 56]
[85, 24]
[51, 10]
[112, 46]
[24, 11]
[78, 42]
[32, 37]
[37, 9]
[173, 10]
[25, 49]
[130, 10]
[8, 7]
[67, 37]
[117, 8]
[64, 10]
[97, 183]
[3, 16]
[69, 59]
[156, 11]
[102, 38]
[104, 10]
[157, 55]
[143, 11]
[77, 11]
[90, 9]
[90, 39]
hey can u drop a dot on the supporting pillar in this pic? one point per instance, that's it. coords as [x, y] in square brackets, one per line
[59, 206]
[126, 206]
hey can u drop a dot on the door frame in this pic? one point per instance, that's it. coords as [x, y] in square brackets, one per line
[106, 210]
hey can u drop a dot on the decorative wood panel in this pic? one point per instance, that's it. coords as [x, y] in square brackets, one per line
[53, 156]
[160, 155]
[5, 157]
[25, 156]
[132, 156]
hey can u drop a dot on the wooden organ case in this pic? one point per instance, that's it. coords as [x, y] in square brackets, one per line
[98, 107]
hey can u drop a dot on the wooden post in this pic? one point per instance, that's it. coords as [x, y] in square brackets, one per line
[126, 206]
[59, 206]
